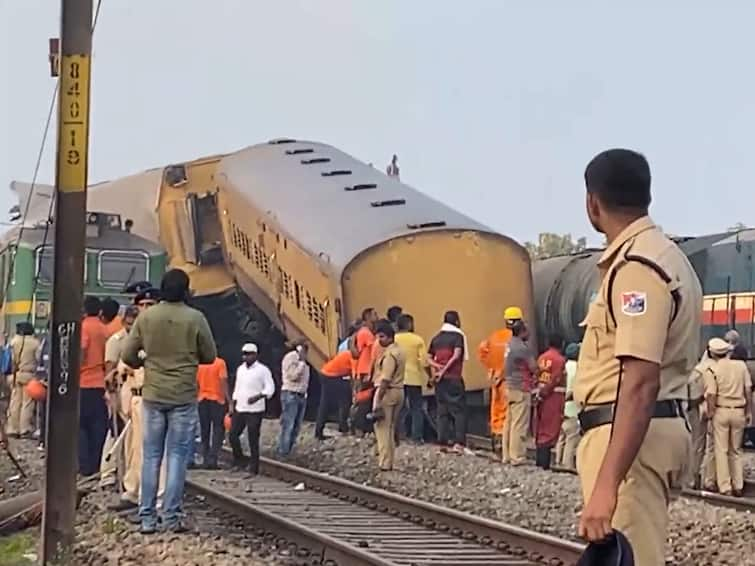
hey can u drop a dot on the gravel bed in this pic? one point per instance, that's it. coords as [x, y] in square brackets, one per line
[106, 539]
[32, 462]
[526, 496]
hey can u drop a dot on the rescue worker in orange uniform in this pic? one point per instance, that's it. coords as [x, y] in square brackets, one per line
[492, 353]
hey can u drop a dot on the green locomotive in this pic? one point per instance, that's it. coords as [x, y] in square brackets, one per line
[115, 259]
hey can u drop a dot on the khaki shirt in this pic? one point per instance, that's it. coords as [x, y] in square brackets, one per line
[114, 346]
[390, 366]
[24, 357]
[696, 383]
[729, 381]
[647, 323]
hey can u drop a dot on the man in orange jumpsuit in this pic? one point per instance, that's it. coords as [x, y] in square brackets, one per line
[492, 353]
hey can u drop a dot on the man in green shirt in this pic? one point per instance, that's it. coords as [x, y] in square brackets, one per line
[170, 340]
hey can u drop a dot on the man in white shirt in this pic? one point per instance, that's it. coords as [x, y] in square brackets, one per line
[254, 384]
[294, 385]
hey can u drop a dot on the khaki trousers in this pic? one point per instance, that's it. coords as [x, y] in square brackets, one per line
[654, 478]
[709, 457]
[21, 409]
[384, 428]
[566, 449]
[515, 427]
[132, 478]
[728, 429]
[697, 452]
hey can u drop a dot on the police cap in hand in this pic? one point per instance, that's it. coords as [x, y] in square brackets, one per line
[614, 551]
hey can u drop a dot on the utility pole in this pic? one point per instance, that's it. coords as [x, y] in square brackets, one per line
[58, 519]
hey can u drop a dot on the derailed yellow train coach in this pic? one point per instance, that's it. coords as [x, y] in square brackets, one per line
[314, 236]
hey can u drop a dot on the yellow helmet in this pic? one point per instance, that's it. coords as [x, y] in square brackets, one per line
[513, 313]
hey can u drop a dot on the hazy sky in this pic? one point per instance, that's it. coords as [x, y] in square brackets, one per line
[492, 106]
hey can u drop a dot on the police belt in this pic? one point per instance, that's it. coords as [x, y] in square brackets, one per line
[136, 391]
[603, 414]
[730, 406]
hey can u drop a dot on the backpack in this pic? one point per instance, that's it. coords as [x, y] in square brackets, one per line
[6, 361]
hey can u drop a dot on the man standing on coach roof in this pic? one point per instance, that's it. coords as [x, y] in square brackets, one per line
[176, 339]
[639, 347]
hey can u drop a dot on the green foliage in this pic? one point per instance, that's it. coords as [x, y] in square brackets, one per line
[549, 245]
[18, 550]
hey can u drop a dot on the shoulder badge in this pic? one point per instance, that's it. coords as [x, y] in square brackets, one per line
[633, 303]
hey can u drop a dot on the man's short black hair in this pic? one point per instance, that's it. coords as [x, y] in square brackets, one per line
[452, 317]
[174, 286]
[555, 341]
[92, 305]
[393, 313]
[110, 308]
[366, 313]
[405, 322]
[384, 326]
[620, 178]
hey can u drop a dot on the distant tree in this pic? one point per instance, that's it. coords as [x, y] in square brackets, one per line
[549, 245]
[737, 227]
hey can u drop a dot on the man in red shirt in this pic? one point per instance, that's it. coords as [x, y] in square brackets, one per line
[93, 414]
[550, 394]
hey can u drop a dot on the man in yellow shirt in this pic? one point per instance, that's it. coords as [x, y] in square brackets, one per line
[415, 375]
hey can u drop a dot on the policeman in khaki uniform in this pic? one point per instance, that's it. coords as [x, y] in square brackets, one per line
[131, 404]
[727, 398]
[389, 396]
[698, 422]
[639, 347]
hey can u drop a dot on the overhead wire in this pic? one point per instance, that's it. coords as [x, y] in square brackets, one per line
[49, 219]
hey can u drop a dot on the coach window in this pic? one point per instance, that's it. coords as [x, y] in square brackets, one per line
[120, 268]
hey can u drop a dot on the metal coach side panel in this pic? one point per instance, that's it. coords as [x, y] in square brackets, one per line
[475, 273]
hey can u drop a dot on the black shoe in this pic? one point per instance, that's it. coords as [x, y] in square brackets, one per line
[211, 466]
[192, 466]
[134, 518]
[122, 505]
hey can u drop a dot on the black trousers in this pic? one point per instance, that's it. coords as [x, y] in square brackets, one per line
[93, 425]
[334, 393]
[252, 423]
[543, 457]
[211, 415]
[452, 411]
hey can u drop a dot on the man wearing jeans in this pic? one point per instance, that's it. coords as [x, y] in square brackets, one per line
[294, 384]
[172, 339]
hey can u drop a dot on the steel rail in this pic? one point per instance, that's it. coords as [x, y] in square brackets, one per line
[745, 503]
[528, 546]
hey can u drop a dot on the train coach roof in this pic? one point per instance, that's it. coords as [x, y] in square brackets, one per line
[321, 211]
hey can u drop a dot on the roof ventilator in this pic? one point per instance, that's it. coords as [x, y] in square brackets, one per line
[299, 151]
[436, 224]
[392, 202]
[361, 187]
[280, 141]
[335, 172]
[315, 160]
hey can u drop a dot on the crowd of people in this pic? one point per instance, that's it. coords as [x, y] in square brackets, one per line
[624, 406]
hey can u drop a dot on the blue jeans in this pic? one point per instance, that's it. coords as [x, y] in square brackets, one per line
[414, 408]
[169, 429]
[293, 406]
[190, 458]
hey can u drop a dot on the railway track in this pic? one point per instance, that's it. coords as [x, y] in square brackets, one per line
[745, 503]
[328, 520]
